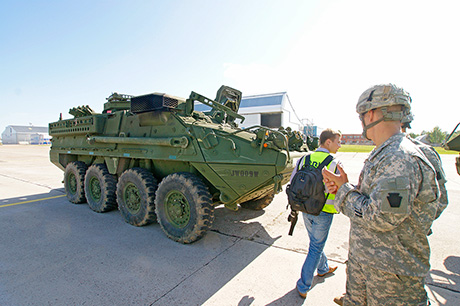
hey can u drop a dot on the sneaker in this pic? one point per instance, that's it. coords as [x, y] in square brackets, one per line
[331, 270]
[339, 299]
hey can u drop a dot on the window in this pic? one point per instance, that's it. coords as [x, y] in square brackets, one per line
[270, 120]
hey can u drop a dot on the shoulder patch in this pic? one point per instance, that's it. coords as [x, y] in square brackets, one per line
[394, 195]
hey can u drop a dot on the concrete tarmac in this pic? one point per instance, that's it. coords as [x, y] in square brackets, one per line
[53, 252]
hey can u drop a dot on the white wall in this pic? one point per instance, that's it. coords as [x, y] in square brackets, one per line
[288, 119]
[251, 119]
[9, 136]
[260, 109]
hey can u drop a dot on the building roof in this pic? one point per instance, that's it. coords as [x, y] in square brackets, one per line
[263, 100]
[29, 129]
[253, 101]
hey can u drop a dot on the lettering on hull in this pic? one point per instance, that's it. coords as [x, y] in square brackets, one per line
[244, 173]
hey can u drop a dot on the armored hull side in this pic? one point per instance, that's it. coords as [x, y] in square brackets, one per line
[156, 158]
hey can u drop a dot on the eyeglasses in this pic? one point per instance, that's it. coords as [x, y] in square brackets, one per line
[361, 116]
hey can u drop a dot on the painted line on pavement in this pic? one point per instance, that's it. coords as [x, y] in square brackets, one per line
[36, 200]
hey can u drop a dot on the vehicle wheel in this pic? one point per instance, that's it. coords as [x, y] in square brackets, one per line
[136, 195]
[260, 203]
[184, 207]
[74, 181]
[100, 188]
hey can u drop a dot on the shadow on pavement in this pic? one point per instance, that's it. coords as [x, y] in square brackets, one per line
[241, 223]
[57, 253]
[290, 298]
[439, 280]
[31, 198]
[246, 300]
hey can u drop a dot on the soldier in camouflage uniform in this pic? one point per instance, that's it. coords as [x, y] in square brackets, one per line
[391, 209]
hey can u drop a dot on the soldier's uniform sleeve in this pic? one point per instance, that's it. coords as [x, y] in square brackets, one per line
[384, 199]
[443, 200]
[442, 180]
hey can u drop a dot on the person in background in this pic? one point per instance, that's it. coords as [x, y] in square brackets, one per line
[318, 226]
[391, 209]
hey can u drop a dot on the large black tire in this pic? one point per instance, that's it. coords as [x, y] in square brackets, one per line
[184, 207]
[74, 181]
[100, 188]
[136, 196]
[260, 203]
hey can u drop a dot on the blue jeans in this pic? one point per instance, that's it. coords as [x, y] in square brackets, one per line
[318, 229]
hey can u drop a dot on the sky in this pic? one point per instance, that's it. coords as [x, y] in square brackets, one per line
[55, 55]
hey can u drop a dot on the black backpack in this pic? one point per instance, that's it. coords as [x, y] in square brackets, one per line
[306, 191]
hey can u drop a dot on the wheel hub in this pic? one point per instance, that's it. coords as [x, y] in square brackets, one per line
[177, 209]
[132, 198]
[95, 188]
[72, 183]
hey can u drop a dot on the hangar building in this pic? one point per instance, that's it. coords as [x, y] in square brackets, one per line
[23, 134]
[270, 110]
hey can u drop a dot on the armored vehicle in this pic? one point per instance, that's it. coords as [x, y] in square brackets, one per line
[157, 159]
[453, 143]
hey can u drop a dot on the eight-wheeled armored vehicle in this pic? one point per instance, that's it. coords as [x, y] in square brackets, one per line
[156, 158]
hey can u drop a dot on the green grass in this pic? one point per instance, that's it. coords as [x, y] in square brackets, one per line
[356, 148]
[367, 149]
[444, 151]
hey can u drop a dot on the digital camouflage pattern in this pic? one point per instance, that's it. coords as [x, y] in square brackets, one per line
[383, 95]
[392, 208]
[369, 286]
[436, 162]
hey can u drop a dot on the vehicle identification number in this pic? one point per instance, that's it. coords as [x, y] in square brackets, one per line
[246, 173]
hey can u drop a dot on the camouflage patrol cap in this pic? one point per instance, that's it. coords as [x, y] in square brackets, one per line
[383, 95]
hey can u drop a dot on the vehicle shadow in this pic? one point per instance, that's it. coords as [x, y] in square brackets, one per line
[58, 192]
[68, 254]
[243, 223]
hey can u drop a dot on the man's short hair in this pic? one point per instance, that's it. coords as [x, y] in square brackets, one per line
[328, 134]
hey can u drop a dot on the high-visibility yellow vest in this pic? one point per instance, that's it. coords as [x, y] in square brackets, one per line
[316, 158]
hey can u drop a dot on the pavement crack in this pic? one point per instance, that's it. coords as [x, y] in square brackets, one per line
[251, 239]
[199, 269]
[443, 287]
[27, 181]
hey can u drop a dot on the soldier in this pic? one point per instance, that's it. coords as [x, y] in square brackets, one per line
[391, 209]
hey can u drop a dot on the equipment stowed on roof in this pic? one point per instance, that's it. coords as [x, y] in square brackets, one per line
[158, 159]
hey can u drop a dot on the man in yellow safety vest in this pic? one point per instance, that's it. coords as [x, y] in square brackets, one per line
[318, 226]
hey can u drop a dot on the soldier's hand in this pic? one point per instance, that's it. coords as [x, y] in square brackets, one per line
[337, 179]
[331, 186]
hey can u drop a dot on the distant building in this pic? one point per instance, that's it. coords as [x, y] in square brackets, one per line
[355, 139]
[18, 134]
[311, 130]
[269, 110]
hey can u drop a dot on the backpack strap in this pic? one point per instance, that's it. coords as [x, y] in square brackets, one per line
[305, 162]
[325, 162]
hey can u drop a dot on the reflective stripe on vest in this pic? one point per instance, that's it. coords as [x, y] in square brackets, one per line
[316, 158]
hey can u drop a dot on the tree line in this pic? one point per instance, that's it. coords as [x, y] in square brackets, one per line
[436, 136]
